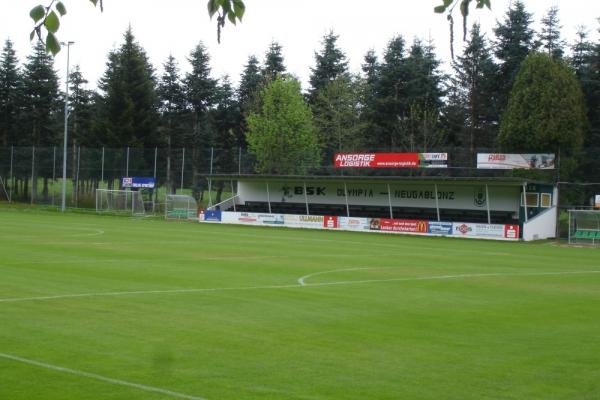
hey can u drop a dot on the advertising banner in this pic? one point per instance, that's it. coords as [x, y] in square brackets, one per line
[440, 228]
[353, 224]
[494, 231]
[391, 160]
[515, 161]
[330, 222]
[136, 182]
[304, 221]
[398, 225]
[212, 215]
[251, 218]
[597, 201]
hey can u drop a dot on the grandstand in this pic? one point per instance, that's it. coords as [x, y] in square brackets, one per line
[451, 200]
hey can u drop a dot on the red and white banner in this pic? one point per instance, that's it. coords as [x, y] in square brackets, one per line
[330, 222]
[484, 231]
[515, 161]
[399, 225]
[391, 160]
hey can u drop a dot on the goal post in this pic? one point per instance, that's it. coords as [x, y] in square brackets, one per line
[584, 227]
[181, 206]
[127, 202]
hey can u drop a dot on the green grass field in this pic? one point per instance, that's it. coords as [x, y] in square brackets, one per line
[98, 307]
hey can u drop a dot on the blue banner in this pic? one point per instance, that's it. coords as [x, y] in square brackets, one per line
[136, 182]
[212, 215]
[440, 228]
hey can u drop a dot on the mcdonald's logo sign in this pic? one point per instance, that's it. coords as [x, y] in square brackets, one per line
[422, 227]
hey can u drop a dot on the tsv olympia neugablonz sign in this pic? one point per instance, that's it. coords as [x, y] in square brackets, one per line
[391, 160]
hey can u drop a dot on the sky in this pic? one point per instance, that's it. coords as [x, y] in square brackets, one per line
[177, 26]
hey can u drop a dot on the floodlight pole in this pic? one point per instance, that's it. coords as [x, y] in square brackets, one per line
[64, 177]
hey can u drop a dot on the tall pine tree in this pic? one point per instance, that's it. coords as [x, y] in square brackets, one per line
[274, 64]
[474, 77]
[129, 103]
[514, 41]
[549, 40]
[10, 93]
[330, 64]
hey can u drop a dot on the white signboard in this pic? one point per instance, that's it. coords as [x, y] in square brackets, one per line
[515, 161]
[597, 201]
[402, 195]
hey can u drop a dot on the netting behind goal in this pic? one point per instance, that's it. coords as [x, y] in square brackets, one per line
[584, 227]
[119, 202]
[180, 206]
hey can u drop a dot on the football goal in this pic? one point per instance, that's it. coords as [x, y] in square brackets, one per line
[181, 206]
[119, 202]
[584, 227]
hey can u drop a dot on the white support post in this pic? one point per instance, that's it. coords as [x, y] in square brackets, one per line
[155, 157]
[268, 198]
[437, 202]
[209, 192]
[240, 160]
[487, 203]
[306, 198]
[233, 196]
[569, 227]
[390, 201]
[346, 197]
[525, 201]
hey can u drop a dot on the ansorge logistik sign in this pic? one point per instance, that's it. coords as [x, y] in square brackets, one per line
[391, 160]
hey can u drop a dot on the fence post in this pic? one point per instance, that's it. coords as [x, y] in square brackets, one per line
[127, 163]
[102, 174]
[53, 171]
[77, 181]
[12, 149]
[32, 173]
[182, 166]
[154, 200]
[240, 160]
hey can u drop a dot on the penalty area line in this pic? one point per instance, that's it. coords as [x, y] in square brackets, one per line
[101, 378]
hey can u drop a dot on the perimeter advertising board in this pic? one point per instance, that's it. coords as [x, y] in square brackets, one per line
[487, 231]
[501, 198]
[515, 161]
[597, 201]
[390, 160]
[137, 182]
[387, 225]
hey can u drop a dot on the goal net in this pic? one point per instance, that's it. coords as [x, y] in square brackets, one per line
[584, 227]
[119, 202]
[181, 206]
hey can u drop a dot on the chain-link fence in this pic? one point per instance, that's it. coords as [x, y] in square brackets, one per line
[34, 174]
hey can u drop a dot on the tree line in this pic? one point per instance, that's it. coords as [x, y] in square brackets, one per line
[520, 90]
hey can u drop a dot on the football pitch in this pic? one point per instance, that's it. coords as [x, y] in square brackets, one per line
[99, 307]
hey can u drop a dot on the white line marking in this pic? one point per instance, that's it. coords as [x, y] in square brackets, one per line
[100, 377]
[291, 286]
[303, 278]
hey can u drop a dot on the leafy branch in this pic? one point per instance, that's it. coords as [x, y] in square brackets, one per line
[47, 18]
[226, 9]
[449, 5]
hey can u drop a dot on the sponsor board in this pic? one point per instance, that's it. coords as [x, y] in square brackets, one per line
[403, 225]
[135, 182]
[251, 218]
[495, 231]
[304, 221]
[391, 160]
[212, 216]
[515, 161]
[597, 201]
[330, 222]
[440, 228]
[353, 224]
